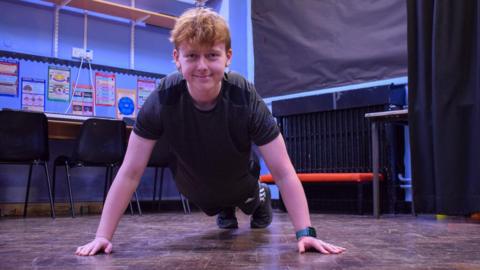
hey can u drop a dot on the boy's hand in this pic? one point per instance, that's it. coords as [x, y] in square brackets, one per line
[306, 243]
[92, 248]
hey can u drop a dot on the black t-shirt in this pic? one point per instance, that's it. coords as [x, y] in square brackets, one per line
[212, 148]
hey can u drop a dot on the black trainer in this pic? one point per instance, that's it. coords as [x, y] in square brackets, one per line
[262, 217]
[226, 219]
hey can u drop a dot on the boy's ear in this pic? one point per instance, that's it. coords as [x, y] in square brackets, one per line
[175, 55]
[229, 58]
[175, 58]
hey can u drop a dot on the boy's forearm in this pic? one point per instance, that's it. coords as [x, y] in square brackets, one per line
[295, 201]
[277, 160]
[118, 197]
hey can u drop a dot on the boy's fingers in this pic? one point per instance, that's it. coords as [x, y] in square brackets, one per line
[108, 249]
[301, 247]
[322, 249]
[337, 249]
[85, 250]
[333, 249]
[95, 249]
[80, 251]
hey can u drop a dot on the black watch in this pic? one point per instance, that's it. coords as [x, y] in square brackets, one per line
[309, 231]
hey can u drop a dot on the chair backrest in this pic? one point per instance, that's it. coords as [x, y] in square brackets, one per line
[101, 141]
[23, 136]
[160, 154]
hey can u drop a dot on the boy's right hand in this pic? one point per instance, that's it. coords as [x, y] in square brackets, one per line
[92, 248]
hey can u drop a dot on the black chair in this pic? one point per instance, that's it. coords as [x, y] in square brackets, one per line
[24, 140]
[160, 159]
[101, 143]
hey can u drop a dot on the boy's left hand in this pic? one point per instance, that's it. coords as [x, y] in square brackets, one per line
[306, 243]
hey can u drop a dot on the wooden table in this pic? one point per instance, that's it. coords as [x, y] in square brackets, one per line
[397, 116]
[67, 127]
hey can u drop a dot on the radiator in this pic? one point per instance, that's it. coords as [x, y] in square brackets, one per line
[329, 133]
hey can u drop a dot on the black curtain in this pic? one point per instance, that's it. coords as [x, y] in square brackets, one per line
[444, 104]
[304, 45]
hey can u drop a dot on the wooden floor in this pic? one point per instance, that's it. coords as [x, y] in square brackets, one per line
[178, 241]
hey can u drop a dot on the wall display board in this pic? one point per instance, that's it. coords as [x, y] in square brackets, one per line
[105, 89]
[83, 100]
[144, 88]
[33, 94]
[8, 78]
[58, 84]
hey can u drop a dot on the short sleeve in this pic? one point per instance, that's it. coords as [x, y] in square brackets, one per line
[262, 127]
[148, 124]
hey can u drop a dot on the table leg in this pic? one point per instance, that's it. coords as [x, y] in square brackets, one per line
[375, 164]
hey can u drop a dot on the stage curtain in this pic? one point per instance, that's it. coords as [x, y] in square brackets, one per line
[444, 105]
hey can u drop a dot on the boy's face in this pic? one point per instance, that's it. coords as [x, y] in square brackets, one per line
[202, 66]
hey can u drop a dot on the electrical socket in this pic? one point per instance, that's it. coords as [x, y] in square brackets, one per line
[89, 54]
[77, 52]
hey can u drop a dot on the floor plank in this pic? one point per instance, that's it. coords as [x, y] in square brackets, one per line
[178, 241]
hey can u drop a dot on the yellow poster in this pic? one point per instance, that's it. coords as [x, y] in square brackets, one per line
[126, 103]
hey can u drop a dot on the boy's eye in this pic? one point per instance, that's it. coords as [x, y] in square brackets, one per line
[191, 55]
[213, 55]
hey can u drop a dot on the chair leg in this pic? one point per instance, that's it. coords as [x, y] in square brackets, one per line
[138, 204]
[188, 205]
[54, 177]
[160, 187]
[155, 186]
[131, 207]
[105, 188]
[185, 204]
[52, 208]
[412, 205]
[28, 191]
[69, 186]
[360, 198]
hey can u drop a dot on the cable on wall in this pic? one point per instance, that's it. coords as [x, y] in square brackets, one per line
[200, 3]
[56, 22]
[85, 29]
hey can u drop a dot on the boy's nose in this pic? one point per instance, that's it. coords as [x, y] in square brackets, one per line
[202, 63]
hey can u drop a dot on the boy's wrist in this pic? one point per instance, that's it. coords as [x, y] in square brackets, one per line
[104, 237]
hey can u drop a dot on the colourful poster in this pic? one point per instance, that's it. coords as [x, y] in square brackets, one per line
[144, 88]
[125, 103]
[58, 84]
[33, 94]
[104, 89]
[83, 100]
[8, 78]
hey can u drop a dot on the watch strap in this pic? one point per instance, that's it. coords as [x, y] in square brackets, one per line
[309, 231]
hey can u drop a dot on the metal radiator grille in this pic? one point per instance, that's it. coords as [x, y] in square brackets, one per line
[331, 141]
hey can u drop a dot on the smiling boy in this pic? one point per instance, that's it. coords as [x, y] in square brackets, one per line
[210, 119]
